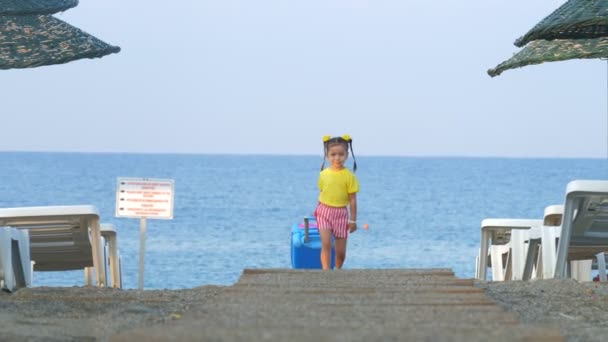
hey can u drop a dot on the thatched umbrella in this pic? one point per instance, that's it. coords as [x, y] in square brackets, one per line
[575, 19]
[541, 51]
[28, 41]
[23, 7]
[577, 29]
[30, 37]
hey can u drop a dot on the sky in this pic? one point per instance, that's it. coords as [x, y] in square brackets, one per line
[402, 78]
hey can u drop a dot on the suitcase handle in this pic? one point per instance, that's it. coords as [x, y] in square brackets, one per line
[306, 230]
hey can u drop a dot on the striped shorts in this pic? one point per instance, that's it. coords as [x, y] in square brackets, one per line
[333, 218]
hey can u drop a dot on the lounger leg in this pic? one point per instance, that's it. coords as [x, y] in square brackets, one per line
[119, 271]
[98, 262]
[538, 272]
[483, 256]
[564, 240]
[477, 264]
[548, 251]
[585, 270]
[518, 249]
[531, 257]
[497, 267]
[6, 264]
[26, 262]
[88, 278]
[32, 264]
[114, 267]
[106, 259]
[581, 270]
[601, 266]
[18, 271]
[508, 274]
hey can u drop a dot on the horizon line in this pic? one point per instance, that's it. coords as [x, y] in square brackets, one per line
[481, 156]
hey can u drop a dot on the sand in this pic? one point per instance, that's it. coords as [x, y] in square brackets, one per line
[92, 314]
[89, 313]
[580, 310]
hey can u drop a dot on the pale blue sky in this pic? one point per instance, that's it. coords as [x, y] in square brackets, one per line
[272, 77]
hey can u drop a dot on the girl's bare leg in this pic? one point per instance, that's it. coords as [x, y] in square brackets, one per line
[325, 248]
[340, 252]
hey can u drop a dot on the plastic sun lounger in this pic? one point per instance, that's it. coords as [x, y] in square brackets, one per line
[547, 251]
[541, 248]
[108, 232]
[580, 269]
[499, 236]
[110, 256]
[61, 237]
[584, 231]
[15, 266]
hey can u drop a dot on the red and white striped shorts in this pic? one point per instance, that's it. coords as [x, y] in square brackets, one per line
[333, 218]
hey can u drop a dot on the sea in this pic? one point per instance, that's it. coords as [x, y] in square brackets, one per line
[233, 212]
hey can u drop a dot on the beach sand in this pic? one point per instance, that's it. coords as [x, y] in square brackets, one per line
[90, 313]
[87, 314]
[580, 310]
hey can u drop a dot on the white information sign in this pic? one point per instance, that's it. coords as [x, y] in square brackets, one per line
[145, 198]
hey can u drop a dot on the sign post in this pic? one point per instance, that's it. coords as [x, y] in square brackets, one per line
[144, 198]
[142, 250]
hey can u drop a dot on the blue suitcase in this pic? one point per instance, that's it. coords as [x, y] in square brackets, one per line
[306, 245]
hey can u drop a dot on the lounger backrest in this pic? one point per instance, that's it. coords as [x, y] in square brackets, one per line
[587, 208]
[59, 235]
[553, 215]
[584, 229]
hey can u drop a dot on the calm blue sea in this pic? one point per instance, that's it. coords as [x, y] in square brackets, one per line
[234, 211]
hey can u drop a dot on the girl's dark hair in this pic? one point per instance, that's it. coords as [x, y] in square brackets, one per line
[345, 141]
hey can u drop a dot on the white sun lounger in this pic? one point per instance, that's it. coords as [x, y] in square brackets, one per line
[15, 266]
[584, 231]
[110, 256]
[541, 249]
[108, 232]
[61, 237]
[504, 235]
[545, 263]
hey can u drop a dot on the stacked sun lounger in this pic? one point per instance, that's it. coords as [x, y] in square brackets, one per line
[503, 243]
[563, 245]
[67, 238]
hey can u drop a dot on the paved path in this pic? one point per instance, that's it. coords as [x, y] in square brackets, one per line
[348, 305]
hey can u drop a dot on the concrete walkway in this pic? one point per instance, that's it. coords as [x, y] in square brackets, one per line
[347, 305]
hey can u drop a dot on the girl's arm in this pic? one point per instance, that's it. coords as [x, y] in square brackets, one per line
[352, 220]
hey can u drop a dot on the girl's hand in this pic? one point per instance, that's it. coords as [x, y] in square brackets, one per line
[352, 227]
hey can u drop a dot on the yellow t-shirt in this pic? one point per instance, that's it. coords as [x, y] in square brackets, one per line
[336, 186]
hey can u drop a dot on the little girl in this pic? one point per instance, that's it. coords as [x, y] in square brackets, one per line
[339, 187]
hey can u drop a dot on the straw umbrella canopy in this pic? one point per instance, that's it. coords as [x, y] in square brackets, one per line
[575, 19]
[22, 7]
[28, 41]
[577, 29]
[540, 51]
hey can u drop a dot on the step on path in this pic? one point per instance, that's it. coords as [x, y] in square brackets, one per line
[348, 305]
